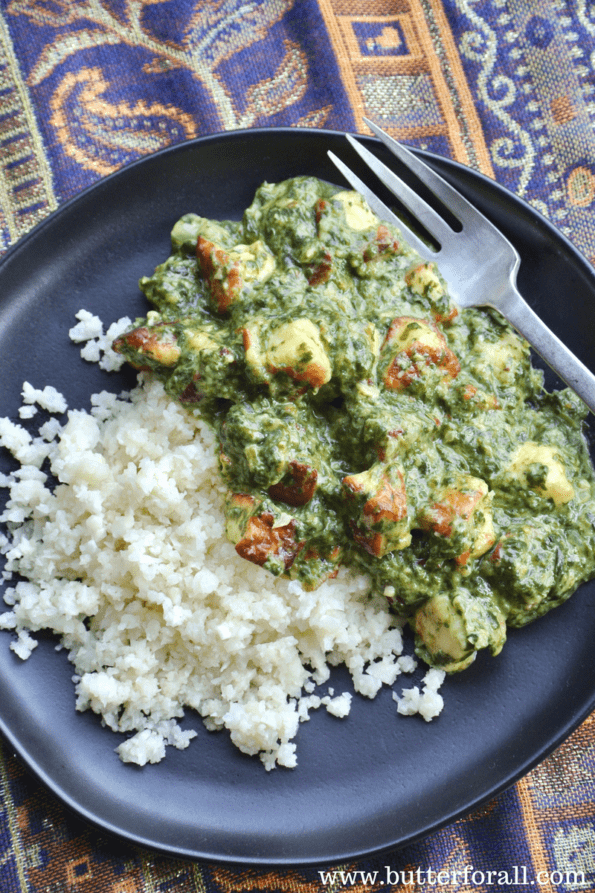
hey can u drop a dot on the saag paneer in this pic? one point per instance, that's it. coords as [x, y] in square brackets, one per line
[364, 420]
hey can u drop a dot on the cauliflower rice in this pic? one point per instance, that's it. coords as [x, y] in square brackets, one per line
[126, 559]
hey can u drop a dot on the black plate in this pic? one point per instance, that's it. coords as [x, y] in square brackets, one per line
[369, 783]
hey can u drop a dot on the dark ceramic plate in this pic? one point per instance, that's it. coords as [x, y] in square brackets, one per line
[369, 783]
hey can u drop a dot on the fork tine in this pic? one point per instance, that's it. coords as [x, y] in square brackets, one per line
[426, 215]
[382, 210]
[451, 197]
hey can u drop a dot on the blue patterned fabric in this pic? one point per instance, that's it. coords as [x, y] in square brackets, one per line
[505, 86]
[529, 66]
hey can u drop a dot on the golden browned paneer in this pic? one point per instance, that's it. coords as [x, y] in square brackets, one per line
[453, 503]
[259, 536]
[414, 346]
[147, 346]
[253, 349]
[319, 271]
[262, 541]
[320, 208]
[383, 523]
[221, 274]
[464, 507]
[383, 245]
[228, 271]
[294, 347]
[298, 486]
[423, 279]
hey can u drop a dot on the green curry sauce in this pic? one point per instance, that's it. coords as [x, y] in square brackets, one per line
[364, 420]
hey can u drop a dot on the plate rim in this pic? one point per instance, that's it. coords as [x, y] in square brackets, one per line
[309, 132]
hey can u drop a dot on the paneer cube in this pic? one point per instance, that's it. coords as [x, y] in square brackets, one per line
[264, 543]
[538, 466]
[450, 630]
[294, 347]
[319, 270]
[383, 245]
[413, 347]
[200, 341]
[462, 510]
[221, 273]
[149, 347]
[442, 631]
[505, 357]
[256, 261]
[228, 271]
[423, 279]
[383, 523]
[298, 486]
[253, 349]
[357, 212]
[258, 536]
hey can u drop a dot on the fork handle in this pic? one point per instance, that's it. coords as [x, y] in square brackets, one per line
[549, 347]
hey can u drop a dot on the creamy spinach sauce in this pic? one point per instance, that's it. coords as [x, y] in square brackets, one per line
[364, 420]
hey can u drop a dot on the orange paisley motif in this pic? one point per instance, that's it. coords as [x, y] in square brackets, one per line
[213, 33]
[101, 135]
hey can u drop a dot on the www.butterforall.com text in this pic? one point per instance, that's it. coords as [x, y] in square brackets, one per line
[515, 876]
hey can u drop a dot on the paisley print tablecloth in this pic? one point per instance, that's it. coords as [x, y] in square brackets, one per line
[505, 86]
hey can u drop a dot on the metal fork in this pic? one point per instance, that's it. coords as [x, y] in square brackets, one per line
[478, 262]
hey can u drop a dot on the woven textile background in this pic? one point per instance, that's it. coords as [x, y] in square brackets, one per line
[505, 86]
